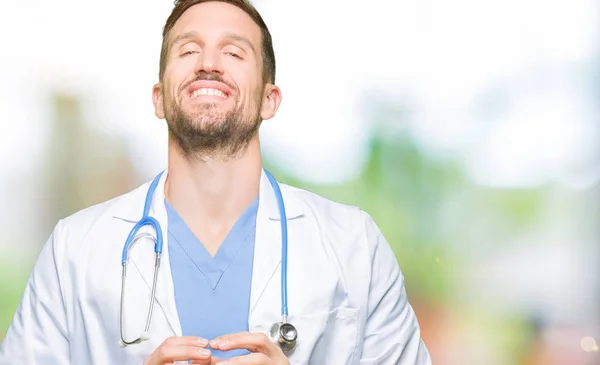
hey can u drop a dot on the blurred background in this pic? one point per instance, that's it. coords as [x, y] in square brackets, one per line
[468, 129]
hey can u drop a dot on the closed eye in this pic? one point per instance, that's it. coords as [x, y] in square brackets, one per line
[235, 55]
[188, 53]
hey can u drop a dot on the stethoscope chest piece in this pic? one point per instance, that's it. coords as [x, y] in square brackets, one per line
[284, 335]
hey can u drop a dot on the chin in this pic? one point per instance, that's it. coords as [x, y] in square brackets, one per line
[211, 110]
[205, 120]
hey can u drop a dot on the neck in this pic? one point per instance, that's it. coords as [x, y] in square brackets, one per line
[211, 194]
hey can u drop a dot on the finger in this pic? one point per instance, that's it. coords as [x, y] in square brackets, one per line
[251, 359]
[185, 341]
[169, 354]
[197, 362]
[211, 361]
[253, 342]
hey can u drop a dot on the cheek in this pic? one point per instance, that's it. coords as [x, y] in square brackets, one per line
[259, 94]
[170, 101]
[255, 90]
[253, 101]
[178, 75]
[172, 94]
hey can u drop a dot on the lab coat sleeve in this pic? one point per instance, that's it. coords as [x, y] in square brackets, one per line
[38, 332]
[392, 332]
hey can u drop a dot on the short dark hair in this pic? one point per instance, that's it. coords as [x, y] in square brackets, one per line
[267, 42]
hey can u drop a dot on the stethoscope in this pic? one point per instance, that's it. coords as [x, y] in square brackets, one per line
[283, 333]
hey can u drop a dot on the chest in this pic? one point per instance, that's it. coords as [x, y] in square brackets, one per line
[327, 323]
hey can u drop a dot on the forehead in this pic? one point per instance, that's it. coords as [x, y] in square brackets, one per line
[215, 19]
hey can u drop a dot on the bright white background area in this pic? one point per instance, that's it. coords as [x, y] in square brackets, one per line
[448, 59]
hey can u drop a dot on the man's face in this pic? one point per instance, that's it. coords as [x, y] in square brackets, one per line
[212, 93]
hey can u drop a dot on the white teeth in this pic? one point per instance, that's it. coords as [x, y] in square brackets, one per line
[212, 92]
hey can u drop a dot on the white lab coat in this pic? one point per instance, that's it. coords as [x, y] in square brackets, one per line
[346, 292]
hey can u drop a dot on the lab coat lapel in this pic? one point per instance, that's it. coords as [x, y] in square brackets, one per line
[267, 245]
[143, 258]
[267, 248]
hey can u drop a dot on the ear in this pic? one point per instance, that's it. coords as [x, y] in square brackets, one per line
[271, 101]
[157, 100]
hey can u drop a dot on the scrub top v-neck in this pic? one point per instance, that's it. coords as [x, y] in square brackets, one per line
[212, 294]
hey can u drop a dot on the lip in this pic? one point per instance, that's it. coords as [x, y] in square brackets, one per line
[203, 84]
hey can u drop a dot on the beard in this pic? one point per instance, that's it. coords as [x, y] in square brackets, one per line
[208, 133]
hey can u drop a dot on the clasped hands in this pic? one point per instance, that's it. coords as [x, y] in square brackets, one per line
[188, 348]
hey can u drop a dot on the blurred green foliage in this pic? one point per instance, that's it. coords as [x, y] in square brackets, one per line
[405, 192]
[13, 276]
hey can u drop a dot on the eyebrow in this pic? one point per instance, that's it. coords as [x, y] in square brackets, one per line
[241, 39]
[183, 37]
[231, 36]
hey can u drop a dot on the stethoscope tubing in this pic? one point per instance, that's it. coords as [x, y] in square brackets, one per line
[158, 247]
[284, 245]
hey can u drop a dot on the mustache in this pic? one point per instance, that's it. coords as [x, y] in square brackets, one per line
[205, 76]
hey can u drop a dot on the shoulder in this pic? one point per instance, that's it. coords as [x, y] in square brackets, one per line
[352, 240]
[336, 218]
[78, 225]
[320, 205]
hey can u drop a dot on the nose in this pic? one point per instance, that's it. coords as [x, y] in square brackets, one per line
[209, 62]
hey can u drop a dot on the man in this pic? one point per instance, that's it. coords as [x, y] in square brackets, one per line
[218, 287]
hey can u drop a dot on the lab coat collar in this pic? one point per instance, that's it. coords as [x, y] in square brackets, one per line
[132, 210]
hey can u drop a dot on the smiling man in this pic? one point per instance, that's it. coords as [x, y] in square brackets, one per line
[217, 81]
[220, 292]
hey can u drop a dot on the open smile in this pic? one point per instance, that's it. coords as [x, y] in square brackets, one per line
[208, 92]
[209, 89]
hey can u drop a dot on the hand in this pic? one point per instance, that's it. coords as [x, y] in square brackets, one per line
[181, 348]
[263, 351]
